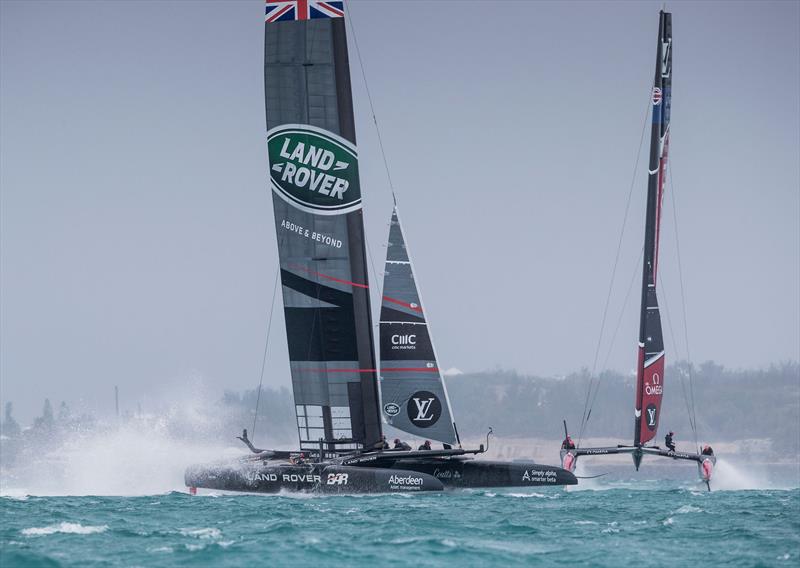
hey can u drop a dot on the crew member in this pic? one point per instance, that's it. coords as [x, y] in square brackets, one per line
[707, 450]
[398, 445]
[668, 441]
[567, 444]
[384, 444]
[425, 446]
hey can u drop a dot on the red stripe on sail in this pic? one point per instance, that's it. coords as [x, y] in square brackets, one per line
[327, 277]
[393, 370]
[402, 303]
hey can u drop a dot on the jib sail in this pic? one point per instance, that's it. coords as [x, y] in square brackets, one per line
[414, 395]
[650, 368]
[316, 196]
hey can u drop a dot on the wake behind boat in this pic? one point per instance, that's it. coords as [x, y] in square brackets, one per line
[316, 196]
[651, 356]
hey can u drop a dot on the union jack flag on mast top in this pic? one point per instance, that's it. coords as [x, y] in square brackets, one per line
[283, 10]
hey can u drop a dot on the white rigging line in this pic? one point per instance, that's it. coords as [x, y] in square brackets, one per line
[266, 346]
[683, 301]
[637, 271]
[586, 406]
[666, 311]
[371, 106]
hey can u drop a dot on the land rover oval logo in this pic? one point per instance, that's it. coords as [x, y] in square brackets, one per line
[424, 409]
[313, 169]
[391, 409]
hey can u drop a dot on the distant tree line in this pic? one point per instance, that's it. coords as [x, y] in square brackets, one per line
[728, 405]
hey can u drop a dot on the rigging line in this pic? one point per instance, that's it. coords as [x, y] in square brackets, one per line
[374, 288]
[371, 105]
[616, 260]
[266, 346]
[663, 295]
[683, 295]
[636, 271]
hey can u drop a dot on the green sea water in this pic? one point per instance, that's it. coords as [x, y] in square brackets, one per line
[641, 523]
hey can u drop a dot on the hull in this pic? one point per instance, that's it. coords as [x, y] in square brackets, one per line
[270, 477]
[478, 473]
[373, 473]
[705, 462]
[453, 469]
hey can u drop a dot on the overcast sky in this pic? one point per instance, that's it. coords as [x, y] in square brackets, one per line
[138, 245]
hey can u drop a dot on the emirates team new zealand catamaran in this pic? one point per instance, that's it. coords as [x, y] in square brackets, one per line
[650, 365]
[316, 196]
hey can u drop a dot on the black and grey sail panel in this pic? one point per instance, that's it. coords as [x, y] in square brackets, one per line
[316, 193]
[413, 392]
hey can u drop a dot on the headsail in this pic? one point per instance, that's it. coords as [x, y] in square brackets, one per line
[318, 218]
[650, 368]
[414, 395]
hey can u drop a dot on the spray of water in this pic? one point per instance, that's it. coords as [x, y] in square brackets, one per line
[142, 456]
[730, 476]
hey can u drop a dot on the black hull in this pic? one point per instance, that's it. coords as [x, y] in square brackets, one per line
[476, 473]
[269, 477]
[379, 473]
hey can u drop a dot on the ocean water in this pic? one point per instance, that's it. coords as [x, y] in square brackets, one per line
[622, 522]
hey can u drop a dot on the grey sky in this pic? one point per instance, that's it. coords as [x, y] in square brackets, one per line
[138, 244]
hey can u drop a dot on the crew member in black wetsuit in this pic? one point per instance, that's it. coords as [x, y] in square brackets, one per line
[567, 444]
[707, 451]
[384, 444]
[425, 446]
[398, 445]
[668, 441]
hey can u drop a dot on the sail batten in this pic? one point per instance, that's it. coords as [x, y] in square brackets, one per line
[413, 392]
[651, 360]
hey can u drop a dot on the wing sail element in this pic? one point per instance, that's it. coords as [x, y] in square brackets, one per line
[650, 368]
[413, 391]
[316, 197]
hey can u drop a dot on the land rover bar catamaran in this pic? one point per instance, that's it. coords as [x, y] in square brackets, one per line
[316, 196]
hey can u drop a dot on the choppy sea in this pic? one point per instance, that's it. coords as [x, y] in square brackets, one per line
[618, 521]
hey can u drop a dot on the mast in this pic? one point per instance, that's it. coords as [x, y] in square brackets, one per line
[316, 198]
[414, 394]
[650, 367]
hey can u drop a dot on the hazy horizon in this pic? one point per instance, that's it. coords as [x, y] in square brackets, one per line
[137, 242]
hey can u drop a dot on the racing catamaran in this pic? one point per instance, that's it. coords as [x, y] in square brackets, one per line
[650, 364]
[316, 196]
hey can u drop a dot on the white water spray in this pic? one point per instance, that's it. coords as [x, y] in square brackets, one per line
[145, 455]
[729, 476]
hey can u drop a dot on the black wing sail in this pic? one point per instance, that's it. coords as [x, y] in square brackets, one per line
[651, 359]
[318, 218]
